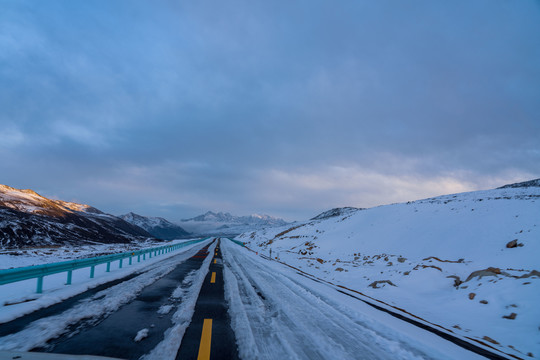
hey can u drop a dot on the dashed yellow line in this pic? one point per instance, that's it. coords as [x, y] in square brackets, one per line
[215, 261]
[206, 340]
[213, 279]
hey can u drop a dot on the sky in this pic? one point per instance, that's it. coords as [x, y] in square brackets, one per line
[289, 107]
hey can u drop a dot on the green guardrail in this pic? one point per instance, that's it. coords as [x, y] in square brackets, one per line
[238, 242]
[8, 276]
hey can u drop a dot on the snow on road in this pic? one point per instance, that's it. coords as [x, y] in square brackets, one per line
[279, 314]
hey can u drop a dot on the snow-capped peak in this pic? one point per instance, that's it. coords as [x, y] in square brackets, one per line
[222, 217]
[29, 219]
[29, 201]
[225, 223]
[157, 226]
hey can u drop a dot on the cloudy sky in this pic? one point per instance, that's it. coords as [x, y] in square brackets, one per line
[288, 107]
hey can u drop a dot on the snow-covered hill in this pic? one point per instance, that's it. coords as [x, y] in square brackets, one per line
[28, 219]
[225, 223]
[468, 262]
[157, 226]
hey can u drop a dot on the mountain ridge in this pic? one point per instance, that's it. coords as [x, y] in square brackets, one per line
[220, 223]
[28, 219]
[529, 183]
[227, 217]
[157, 226]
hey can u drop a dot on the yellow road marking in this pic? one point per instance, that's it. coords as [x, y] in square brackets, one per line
[215, 261]
[213, 279]
[206, 340]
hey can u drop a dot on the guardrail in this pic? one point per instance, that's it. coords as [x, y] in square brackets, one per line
[8, 276]
[238, 242]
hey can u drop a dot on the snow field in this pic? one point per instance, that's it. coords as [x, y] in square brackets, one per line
[419, 255]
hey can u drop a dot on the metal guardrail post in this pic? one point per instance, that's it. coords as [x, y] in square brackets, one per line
[120, 264]
[39, 289]
[108, 267]
[92, 270]
[69, 274]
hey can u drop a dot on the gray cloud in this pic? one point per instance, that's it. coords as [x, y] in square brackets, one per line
[172, 108]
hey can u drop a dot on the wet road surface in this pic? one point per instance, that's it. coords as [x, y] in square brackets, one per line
[209, 335]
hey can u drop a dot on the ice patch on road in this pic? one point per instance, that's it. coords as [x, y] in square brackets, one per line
[165, 309]
[141, 334]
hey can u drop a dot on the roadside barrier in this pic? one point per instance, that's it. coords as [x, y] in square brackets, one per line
[237, 242]
[8, 276]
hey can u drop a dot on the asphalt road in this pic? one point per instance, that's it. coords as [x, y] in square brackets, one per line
[209, 335]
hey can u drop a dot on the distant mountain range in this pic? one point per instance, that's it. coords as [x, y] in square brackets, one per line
[28, 219]
[245, 220]
[220, 223]
[157, 226]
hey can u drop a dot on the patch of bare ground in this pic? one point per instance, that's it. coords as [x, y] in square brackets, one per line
[281, 234]
[288, 231]
[487, 338]
[320, 261]
[427, 266]
[493, 271]
[457, 280]
[376, 284]
[513, 244]
[448, 261]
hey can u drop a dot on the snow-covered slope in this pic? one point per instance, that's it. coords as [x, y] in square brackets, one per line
[469, 262]
[28, 201]
[225, 223]
[28, 219]
[336, 212]
[157, 226]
